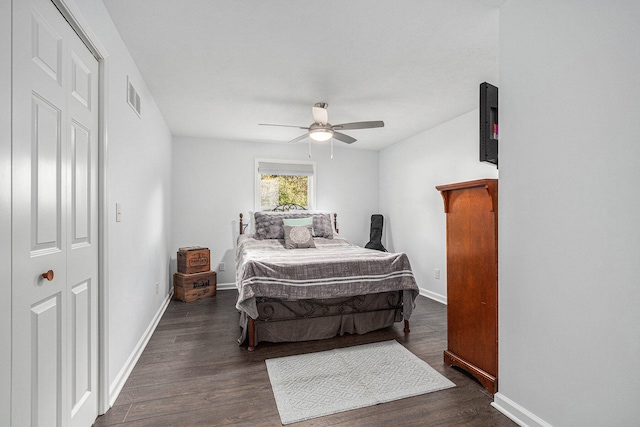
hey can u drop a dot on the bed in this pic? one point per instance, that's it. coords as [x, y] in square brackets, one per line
[300, 293]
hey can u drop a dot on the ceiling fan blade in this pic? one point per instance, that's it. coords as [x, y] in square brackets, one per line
[286, 126]
[344, 138]
[359, 125]
[300, 138]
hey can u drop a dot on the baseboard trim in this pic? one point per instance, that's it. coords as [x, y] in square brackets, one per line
[517, 413]
[123, 375]
[432, 295]
[226, 286]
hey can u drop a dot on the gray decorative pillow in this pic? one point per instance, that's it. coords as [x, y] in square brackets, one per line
[322, 226]
[298, 236]
[268, 226]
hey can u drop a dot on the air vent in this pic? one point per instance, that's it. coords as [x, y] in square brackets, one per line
[133, 98]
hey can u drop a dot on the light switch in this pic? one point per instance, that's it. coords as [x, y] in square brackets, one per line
[118, 212]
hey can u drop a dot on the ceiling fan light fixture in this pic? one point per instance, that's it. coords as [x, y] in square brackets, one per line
[321, 134]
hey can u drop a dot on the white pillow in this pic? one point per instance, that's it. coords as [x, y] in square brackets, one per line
[252, 223]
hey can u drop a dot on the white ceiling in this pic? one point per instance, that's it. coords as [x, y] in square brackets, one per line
[217, 68]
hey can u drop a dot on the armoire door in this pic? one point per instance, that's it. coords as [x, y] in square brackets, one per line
[54, 221]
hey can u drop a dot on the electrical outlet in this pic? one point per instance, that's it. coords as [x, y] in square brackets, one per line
[157, 287]
[437, 273]
[222, 266]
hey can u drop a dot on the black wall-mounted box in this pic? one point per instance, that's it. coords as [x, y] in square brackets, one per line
[488, 123]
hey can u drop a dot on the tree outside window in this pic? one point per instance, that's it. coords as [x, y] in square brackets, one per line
[283, 190]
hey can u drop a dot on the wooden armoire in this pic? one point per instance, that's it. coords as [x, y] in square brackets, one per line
[472, 278]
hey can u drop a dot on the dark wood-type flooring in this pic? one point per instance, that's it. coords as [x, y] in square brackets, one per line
[193, 373]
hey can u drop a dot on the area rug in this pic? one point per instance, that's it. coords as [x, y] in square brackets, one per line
[313, 385]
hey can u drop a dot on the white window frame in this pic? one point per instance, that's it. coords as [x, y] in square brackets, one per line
[311, 190]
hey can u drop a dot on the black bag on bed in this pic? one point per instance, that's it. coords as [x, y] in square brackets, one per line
[375, 235]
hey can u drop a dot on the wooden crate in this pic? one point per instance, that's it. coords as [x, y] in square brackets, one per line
[194, 259]
[191, 287]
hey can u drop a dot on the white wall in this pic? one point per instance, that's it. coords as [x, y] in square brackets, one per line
[213, 181]
[415, 221]
[5, 211]
[139, 177]
[569, 234]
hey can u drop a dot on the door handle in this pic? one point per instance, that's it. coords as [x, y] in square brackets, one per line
[48, 275]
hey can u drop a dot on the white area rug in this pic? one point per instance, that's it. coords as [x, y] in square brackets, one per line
[316, 384]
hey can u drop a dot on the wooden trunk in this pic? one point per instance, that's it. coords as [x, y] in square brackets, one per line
[191, 287]
[193, 260]
[472, 278]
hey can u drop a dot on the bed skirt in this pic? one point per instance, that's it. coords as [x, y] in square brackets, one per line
[306, 320]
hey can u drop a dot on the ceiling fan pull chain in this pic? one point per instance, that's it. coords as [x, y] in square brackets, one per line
[309, 147]
[331, 148]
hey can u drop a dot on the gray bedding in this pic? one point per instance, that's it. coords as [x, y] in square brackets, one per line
[334, 268]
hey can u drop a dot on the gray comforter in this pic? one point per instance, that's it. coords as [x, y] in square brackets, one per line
[334, 268]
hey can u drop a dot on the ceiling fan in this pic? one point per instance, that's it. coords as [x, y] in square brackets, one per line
[322, 130]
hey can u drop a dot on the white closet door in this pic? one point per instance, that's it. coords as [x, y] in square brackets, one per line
[54, 226]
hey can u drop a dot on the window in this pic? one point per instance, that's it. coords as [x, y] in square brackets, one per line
[284, 182]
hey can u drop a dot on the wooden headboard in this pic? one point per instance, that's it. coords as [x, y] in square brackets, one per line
[335, 223]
